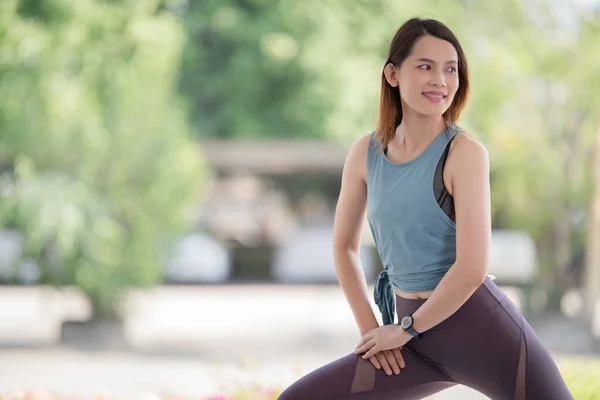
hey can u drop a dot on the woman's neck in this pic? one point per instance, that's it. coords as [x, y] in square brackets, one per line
[416, 132]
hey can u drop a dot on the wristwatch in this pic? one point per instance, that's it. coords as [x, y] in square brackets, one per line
[407, 324]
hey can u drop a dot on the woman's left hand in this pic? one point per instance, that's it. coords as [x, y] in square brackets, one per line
[385, 337]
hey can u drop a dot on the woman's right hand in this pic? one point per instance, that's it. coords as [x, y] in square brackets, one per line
[389, 360]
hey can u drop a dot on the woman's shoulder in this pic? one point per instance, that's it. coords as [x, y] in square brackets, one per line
[356, 161]
[466, 154]
[361, 146]
[363, 141]
[465, 144]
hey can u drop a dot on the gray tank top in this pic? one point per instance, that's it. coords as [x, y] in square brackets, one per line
[415, 238]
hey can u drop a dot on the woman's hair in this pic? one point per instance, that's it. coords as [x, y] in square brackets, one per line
[390, 108]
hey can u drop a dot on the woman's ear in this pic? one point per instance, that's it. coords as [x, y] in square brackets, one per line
[391, 73]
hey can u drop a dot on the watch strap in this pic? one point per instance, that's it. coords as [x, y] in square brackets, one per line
[412, 332]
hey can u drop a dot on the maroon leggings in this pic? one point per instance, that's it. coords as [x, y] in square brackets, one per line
[486, 345]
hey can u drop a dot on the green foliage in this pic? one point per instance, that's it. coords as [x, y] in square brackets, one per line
[242, 70]
[97, 138]
[103, 172]
[581, 375]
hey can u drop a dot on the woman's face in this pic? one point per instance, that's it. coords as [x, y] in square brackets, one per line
[428, 78]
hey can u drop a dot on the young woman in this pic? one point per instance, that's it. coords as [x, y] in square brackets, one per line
[424, 185]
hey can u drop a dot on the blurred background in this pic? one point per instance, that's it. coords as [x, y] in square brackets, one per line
[169, 171]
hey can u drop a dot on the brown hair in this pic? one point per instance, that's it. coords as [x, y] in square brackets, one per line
[390, 108]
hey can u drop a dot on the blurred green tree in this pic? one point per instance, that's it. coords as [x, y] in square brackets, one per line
[99, 171]
[540, 78]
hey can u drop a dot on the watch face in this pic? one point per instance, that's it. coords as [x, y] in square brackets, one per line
[406, 322]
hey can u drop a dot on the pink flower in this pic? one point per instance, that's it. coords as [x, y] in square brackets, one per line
[266, 391]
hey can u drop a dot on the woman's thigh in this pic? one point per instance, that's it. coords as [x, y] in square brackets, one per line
[489, 346]
[351, 377]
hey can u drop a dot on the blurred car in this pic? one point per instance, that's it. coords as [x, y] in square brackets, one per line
[198, 258]
[306, 256]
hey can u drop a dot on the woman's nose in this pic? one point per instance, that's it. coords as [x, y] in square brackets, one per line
[438, 80]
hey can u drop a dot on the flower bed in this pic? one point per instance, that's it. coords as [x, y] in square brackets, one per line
[250, 393]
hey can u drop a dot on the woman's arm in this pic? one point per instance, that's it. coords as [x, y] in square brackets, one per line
[347, 232]
[468, 165]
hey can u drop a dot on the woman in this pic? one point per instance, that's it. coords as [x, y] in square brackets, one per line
[424, 184]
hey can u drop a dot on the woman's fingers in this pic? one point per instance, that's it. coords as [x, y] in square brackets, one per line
[367, 337]
[384, 364]
[391, 361]
[372, 351]
[375, 362]
[365, 347]
[391, 358]
[399, 358]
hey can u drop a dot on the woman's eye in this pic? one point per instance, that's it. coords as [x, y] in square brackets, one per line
[452, 69]
[424, 66]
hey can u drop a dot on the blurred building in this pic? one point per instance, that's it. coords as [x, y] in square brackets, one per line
[269, 197]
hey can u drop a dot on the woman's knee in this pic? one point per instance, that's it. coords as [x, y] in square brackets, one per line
[291, 394]
[329, 381]
[300, 390]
